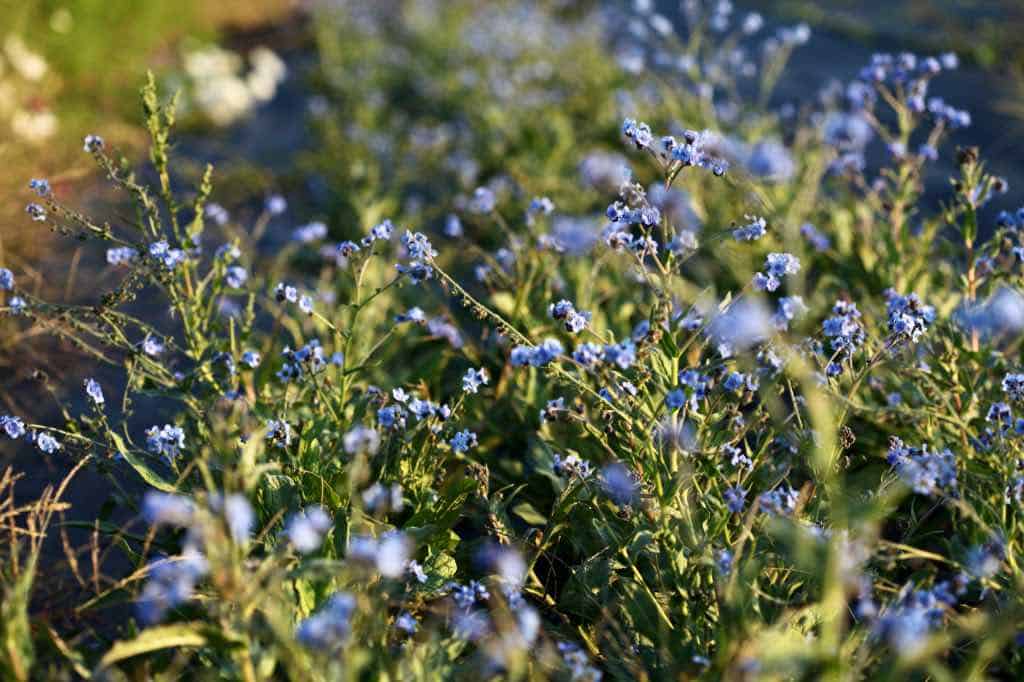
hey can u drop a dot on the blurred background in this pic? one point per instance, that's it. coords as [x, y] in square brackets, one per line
[256, 77]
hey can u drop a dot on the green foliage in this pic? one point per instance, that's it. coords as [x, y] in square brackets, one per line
[569, 516]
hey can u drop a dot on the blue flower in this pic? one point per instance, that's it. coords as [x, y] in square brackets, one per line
[239, 515]
[453, 226]
[621, 354]
[539, 206]
[284, 292]
[575, 321]
[572, 466]
[391, 417]
[167, 509]
[251, 358]
[6, 280]
[306, 529]
[236, 276]
[418, 246]
[275, 204]
[752, 231]
[927, 473]
[815, 238]
[588, 354]
[620, 483]
[92, 144]
[536, 356]
[1013, 386]
[310, 232]
[463, 441]
[552, 409]
[152, 346]
[909, 318]
[361, 439]
[121, 254]
[789, 308]
[846, 334]
[306, 305]
[328, 629]
[483, 201]
[723, 561]
[382, 231]
[412, 315]
[777, 265]
[779, 502]
[47, 443]
[675, 399]
[735, 499]
[40, 187]
[416, 271]
[217, 213]
[93, 390]
[36, 212]
[171, 583]
[473, 379]
[167, 441]
[638, 133]
[737, 457]
[165, 256]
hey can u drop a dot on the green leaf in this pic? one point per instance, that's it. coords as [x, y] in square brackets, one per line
[155, 639]
[141, 468]
[527, 512]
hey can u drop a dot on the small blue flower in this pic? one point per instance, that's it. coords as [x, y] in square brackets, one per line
[453, 226]
[1013, 386]
[164, 255]
[675, 399]
[927, 473]
[463, 441]
[361, 439]
[621, 354]
[735, 499]
[311, 232]
[815, 238]
[167, 441]
[483, 201]
[473, 379]
[121, 255]
[152, 346]
[276, 204]
[638, 133]
[92, 144]
[306, 529]
[6, 279]
[284, 292]
[620, 483]
[236, 276]
[239, 515]
[93, 390]
[779, 502]
[40, 187]
[391, 417]
[251, 358]
[306, 305]
[217, 213]
[588, 354]
[12, 426]
[47, 443]
[723, 561]
[754, 230]
[36, 212]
